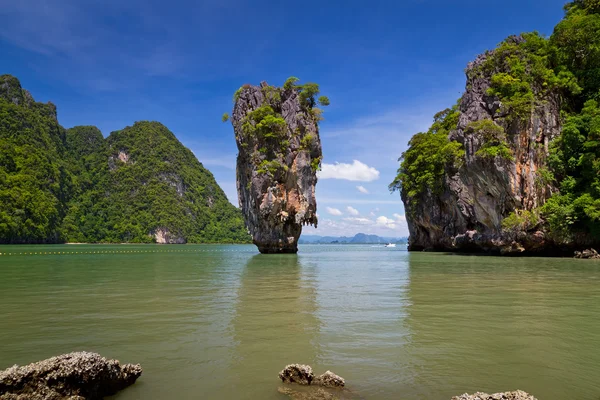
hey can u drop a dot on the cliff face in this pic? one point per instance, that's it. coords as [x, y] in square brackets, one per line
[475, 197]
[277, 136]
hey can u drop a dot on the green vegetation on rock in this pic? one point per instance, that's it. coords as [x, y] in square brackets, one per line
[74, 185]
[267, 129]
[524, 73]
[423, 164]
[494, 139]
[34, 178]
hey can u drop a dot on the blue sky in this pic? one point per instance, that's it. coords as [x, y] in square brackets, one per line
[387, 67]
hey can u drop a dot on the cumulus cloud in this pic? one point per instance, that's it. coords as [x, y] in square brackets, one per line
[359, 220]
[334, 211]
[399, 218]
[357, 171]
[362, 189]
[386, 222]
[352, 211]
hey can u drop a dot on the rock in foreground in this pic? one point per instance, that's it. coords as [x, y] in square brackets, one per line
[329, 379]
[279, 153]
[303, 375]
[297, 373]
[517, 395]
[79, 375]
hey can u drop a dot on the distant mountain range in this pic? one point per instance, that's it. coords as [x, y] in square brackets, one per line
[359, 238]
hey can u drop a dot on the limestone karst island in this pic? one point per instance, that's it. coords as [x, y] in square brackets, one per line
[308, 201]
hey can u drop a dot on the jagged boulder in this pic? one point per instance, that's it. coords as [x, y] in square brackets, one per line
[589, 253]
[279, 153]
[79, 375]
[303, 375]
[297, 373]
[517, 395]
[329, 379]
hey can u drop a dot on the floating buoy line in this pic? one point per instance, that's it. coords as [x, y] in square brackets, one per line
[67, 253]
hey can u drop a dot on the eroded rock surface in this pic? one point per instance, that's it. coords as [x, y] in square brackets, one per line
[277, 136]
[516, 395]
[589, 253]
[163, 236]
[475, 197]
[297, 373]
[80, 375]
[329, 379]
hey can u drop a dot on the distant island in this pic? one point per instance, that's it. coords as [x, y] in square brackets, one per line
[359, 238]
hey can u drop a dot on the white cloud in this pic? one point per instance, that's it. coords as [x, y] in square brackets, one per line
[362, 189]
[360, 220]
[329, 200]
[352, 211]
[350, 226]
[357, 171]
[386, 222]
[334, 211]
[400, 218]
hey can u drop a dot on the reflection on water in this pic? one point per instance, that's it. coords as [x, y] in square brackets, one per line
[219, 322]
[494, 324]
[275, 323]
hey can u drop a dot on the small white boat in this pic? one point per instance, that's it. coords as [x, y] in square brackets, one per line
[390, 245]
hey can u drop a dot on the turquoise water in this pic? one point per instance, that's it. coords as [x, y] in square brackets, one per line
[219, 322]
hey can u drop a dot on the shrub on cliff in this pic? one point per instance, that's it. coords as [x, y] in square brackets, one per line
[424, 163]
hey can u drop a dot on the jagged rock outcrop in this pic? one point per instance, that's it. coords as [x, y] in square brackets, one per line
[466, 214]
[303, 375]
[329, 379]
[516, 395]
[277, 135]
[589, 254]
[80, 375]
[297, 373]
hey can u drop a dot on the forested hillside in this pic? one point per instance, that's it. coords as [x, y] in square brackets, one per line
[138, 185]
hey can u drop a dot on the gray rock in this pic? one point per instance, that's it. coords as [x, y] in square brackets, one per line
[517, 395]
[589, 253]
[277, 201]
[80, 375]
[329, 379]
[466, 215]
[297, 373]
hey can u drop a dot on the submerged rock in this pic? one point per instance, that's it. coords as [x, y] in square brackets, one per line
[79, 375]
[279, 153]
[318, 394]
[517, 395]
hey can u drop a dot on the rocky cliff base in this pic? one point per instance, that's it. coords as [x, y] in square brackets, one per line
[74, 376]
